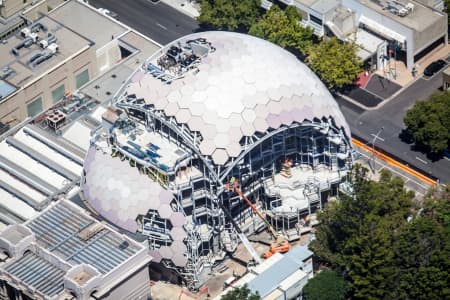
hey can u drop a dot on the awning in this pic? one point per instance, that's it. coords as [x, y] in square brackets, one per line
[382, 30]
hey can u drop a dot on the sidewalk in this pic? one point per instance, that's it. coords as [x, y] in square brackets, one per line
[403, 76]
[187, 7]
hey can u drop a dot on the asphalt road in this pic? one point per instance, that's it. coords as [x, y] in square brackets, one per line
[366, 124]
[160, 22]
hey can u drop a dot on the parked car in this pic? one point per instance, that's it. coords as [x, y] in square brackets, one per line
[434, 67]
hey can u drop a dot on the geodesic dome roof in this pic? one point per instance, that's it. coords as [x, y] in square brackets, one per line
[120, 193]
[246, 85]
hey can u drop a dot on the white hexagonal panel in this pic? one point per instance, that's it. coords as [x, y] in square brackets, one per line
[123, 193]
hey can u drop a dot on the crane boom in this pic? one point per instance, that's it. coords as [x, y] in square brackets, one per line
[260, 215]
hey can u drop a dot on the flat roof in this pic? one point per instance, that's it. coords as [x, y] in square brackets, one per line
[79, 134]
[324, 6]
[104, 87]
[88, 22]
[307, 3]
[144, 46]
[58, 229]
[421, 17]
[68, 44]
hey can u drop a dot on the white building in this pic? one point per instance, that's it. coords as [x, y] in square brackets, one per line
[406, 30]
[281, 277]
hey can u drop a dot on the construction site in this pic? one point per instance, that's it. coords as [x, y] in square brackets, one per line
[215, 137]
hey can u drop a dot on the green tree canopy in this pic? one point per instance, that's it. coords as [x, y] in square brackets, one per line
[334, 62]
[229, 14]
[383, 246]
[429, 122]
[283, 28]
[326, 285]
[240, 293]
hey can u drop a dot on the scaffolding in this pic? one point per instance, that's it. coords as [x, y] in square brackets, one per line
[286, 173]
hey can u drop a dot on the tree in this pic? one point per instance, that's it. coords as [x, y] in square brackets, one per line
[326, 285]
[447, 8]
[283, 28]
[429, 122]
[423, 251]
[229, 14]
[386, 247]
[334, 62]
[240, 293]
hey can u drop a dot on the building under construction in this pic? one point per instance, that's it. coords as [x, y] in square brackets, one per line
[207, 110]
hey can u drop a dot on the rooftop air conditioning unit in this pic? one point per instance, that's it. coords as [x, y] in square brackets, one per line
[34, 36]
[25, 32]
[53, 48]
[43, 44]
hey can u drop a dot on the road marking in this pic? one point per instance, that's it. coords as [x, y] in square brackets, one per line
[162, 26]
[377, 137]
[445, 157]
[421, 160]
[395, 163]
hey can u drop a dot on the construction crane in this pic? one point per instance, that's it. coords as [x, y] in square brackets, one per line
[281, 244]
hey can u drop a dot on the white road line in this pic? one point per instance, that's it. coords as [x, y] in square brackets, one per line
[392, 169]
[162, 26]
[421, 160]
[377, 137]
[445, 157]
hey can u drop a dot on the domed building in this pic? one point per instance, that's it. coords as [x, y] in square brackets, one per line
[207, 109]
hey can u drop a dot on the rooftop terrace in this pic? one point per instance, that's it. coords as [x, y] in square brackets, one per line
[149, 146]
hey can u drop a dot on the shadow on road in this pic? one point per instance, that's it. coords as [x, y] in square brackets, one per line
[407, 138]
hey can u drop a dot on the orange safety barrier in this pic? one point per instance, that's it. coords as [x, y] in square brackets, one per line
[394, 163]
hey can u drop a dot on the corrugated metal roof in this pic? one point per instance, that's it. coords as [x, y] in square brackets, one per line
[299, 254]
[269, 280]
[38, 273]
[271, 277]
[58, 228]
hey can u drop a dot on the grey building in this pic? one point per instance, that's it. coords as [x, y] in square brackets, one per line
[63, 253]
[57, 53]
[407, 30]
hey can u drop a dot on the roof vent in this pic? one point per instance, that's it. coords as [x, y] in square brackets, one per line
[90, 231]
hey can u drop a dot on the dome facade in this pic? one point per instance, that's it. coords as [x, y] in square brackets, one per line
[246, 85]
[205, 111]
